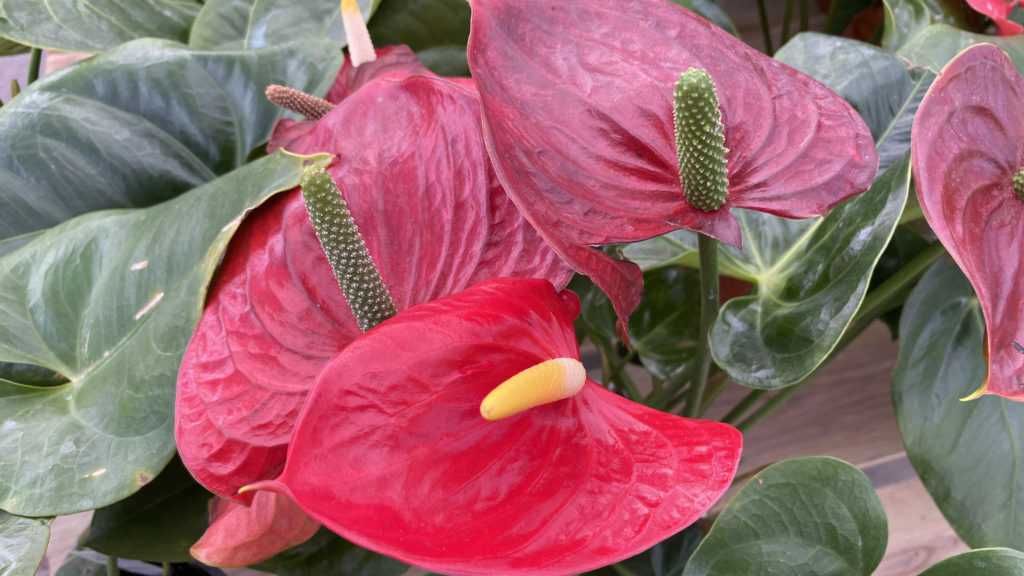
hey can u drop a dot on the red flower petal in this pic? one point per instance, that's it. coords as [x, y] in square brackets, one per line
[577, 98]
[998, 11]
[967, 143]
[418, 183]
[393, 62]
[391, 451]
[243, 535]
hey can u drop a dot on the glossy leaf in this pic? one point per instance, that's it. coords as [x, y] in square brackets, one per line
[985, 562]
[391, 451]
[663, 330]
[249, 24]
[140, 124]
[22, 543]
[934, 47]
[109, 300]
[967, 453]
[884, 89]
[95, 26]
[326, 553]
[596, 162]
[968, 144]
[436, 29]
[158, 523]
[810, 281]
[903, 20]
[241, 535]
[412, 168]
[801, 517]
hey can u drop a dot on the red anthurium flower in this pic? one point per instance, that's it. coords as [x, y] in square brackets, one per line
[968, 158]
[578, 100]
[247, 535]
[413, 169]
[392, 451]
[999, 12]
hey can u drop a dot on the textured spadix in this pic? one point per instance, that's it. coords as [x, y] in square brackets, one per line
[967, 146]
[392, 454]
[578, 97]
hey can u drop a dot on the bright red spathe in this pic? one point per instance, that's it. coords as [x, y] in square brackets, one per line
[392, 453]
[967, 144]
[577, 98]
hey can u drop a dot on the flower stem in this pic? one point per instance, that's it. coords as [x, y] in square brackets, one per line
[707, 248]
[762, 11]
[883, 298]
[785, 21]
[805, 16]
[34, 64]
[743, 405]
[112, 569]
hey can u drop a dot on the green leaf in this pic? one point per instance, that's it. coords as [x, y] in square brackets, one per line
[109, 300]
[711, 11]
[884, 89]
[8, 47]
[663, 329]
[811, 277]
[96, 25]
[437, 30]
[801, 517]
[903, 19]
[985, 562]
[328, 553]
[22, 543]
[249, 24]
[141, 124]
[666, 558]
[937, 44]
[968, 454]
[159, 523]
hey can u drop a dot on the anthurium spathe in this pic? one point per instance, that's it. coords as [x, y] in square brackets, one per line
[999, 12]
[392, 451]
[968, 158]
[411, 165]
[577, 98]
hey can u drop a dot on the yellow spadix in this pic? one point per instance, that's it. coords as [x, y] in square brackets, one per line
[543, 383]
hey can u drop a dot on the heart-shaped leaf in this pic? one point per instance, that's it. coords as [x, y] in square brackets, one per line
[391, 450]
[985, 562]
[141, 124]
[248, 24]
[22, 543]
[968, 156]
[436, 29]
[937, 44]
[327, 553]
[967, 453]
[884, 89]
[801, 517]
[811, 277]
[94, 26]
[597, 163]
[158, 523]
[109, 300]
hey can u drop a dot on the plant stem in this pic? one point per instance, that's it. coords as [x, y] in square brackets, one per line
[707, 248]
[622, 570]
[785, 21]
[112, 569]
[762, 11]
[805, 16]
[716, 385]
[612, 365]
[33, 65]
[745, 404]
[883, 298]
[166, 569]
